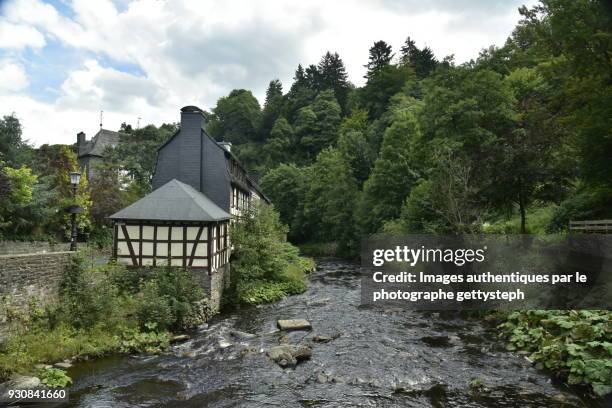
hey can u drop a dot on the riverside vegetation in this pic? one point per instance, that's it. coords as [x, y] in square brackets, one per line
[516, 140]
[113, 309]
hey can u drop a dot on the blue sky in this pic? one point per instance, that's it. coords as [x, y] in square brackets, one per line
[62, 61]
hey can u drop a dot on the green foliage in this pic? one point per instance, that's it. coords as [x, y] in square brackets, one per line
[393, 174]
[286, 185]
[265, 267]
[169, 299]
[575, 344]
[55, 378]
[330, 197]
[102, 310]
[317, 126]
[236, 118]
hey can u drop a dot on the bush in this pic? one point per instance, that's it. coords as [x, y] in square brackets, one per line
[575, 344]
[265, 267]
[54, 378]
[170, 299]
[585, 204]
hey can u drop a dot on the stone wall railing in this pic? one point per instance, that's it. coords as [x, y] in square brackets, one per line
[31, 247]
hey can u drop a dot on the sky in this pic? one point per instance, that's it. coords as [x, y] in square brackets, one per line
[64, 61]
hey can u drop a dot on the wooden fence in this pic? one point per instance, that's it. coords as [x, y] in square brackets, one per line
[591, 227]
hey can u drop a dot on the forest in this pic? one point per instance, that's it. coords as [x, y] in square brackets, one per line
[517, 140]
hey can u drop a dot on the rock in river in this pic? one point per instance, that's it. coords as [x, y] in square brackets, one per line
[294, 324]
[288, 355]
[179, 337]
[19, 382]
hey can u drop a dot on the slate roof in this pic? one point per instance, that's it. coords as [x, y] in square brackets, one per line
[97, 144]
[174, 201]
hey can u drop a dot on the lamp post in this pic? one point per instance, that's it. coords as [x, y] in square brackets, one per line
[74, 180]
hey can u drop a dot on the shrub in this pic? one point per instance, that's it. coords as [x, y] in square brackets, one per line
[170, 299]
[54, 378]
[265, 267]
[576, 344]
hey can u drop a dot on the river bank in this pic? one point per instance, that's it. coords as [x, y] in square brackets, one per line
[389, 358]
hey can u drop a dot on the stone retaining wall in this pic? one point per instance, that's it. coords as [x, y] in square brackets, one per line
[24, 276]
[31, 247]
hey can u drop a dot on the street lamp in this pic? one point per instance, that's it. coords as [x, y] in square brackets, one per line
[75, 177]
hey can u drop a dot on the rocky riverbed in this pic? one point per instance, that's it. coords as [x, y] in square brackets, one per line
[359, 357]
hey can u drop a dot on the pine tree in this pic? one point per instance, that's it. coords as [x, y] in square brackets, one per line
[422, 61]
[380, 57]
[332, 75]
[272, 108]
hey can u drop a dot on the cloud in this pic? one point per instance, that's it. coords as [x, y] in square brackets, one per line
[12, 77]
[147, 58]
[18, 36]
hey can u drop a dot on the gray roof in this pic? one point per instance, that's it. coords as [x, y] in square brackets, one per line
[97, 144]
[174, 201]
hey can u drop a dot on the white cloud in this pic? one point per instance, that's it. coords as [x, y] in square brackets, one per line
[193, 51]
[17, 36]
[12, 77]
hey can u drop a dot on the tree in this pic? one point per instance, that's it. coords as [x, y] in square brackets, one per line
[531, 168]
[332, 75]
[324, 125]
[474, 110]
[106, 194]
[13, 150]
[279, 145]
[286, 185]
[330, 199]
[393, 174]
[422, 61]
[236, 118]
[54, 163]
[136, 154]
[445, 202]
[272, 107]
[17, 186]
[353, 145]
[573, 42]
[380, 57]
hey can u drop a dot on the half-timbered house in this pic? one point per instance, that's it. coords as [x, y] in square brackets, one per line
[198, 187]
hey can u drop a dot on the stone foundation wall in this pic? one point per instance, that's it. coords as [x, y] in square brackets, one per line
[214, 284]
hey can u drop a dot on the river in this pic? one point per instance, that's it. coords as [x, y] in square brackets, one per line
[378, 358]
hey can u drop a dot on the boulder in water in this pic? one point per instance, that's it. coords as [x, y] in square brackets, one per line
[294, 324]
[241, 335]
[288, 355]
[179, 337]
[19, 382]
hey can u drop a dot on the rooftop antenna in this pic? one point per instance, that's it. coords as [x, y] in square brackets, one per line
[101, 117]
[138, 123]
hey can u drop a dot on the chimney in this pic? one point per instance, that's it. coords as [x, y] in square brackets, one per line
[80, 140]
[192, 118]
[226, 145]
[191, 147]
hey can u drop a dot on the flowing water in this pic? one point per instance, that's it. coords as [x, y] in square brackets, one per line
[377, 358]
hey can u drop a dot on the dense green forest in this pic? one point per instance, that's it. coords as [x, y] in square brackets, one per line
[517, 140]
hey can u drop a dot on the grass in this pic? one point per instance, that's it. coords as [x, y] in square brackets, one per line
[319, 248]
[538, 222]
